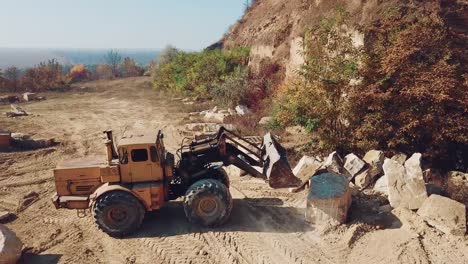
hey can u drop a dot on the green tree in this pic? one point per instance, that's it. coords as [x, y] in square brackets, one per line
[319, 100]
[113, 59]
[12, 75]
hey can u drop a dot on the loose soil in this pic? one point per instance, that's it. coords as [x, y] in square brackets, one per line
[267, 226]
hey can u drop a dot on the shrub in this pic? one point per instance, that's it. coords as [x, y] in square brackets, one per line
[129, 68]
[198, 72]
[414, 96]
[45, 76]
[234, 89]
[104, 71]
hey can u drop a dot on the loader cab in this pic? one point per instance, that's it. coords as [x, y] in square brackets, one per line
[141, 158]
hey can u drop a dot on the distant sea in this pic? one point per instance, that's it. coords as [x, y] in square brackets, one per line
[28, 57]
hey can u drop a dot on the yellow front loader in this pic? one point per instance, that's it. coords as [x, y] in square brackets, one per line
[139, 175]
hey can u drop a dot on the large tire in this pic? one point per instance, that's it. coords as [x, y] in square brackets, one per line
[118, 213]
[208, 203]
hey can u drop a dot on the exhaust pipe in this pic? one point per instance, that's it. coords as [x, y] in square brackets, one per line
[111, 152]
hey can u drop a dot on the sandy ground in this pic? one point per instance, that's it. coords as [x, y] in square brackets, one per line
[266, 226]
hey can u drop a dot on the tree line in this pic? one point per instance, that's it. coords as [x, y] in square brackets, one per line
[51, 75]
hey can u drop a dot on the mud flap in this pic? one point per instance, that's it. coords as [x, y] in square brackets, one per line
[276, 168]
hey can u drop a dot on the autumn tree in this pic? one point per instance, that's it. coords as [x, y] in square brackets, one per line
[415, 96]
[129, 68]
[45, 76]
[79, 73]
[104, 71]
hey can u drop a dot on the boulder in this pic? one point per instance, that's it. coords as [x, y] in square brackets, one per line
[295, 130]
[328, 200]
[213, 116]
[457, 186]
[353, 164]
[400, 158]
[196, 126]
[232, 111]
[381, 185]
[375, 160]
[445, 214]
[265, 120]
[242, 110]
[406, 187]
[10, 246]
[363, 179]
[306, 168]
[333, 163]
[19, 136]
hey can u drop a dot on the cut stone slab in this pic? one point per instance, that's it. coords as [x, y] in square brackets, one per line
[406, 187]
[400, 158]
[16, 111]
[10, 246]
[306, 168]
[33, 143]
[265, 120]
[375, 159]
[445, 214]
[457, 186]
[381, 185]
[328, 200]
[208, 127]
[333, 163]
[29, 96]
[353, 164]
[242, 110]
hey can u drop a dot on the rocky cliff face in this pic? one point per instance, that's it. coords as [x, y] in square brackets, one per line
[274, 29]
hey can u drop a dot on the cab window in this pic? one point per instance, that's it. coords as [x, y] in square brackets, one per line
[139, 155]
[154, 154]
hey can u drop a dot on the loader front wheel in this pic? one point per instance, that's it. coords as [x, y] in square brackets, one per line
[208, 203]
[118, 213]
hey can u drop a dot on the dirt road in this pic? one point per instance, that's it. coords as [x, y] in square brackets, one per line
[266, 225]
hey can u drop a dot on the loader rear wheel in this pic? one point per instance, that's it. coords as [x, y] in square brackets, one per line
[118, 213]
[208, 203]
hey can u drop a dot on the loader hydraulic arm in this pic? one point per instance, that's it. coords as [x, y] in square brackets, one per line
[268, 161]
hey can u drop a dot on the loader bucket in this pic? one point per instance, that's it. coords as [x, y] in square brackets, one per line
[276, 167]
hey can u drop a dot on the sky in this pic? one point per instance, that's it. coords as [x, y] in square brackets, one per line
[116, 24]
